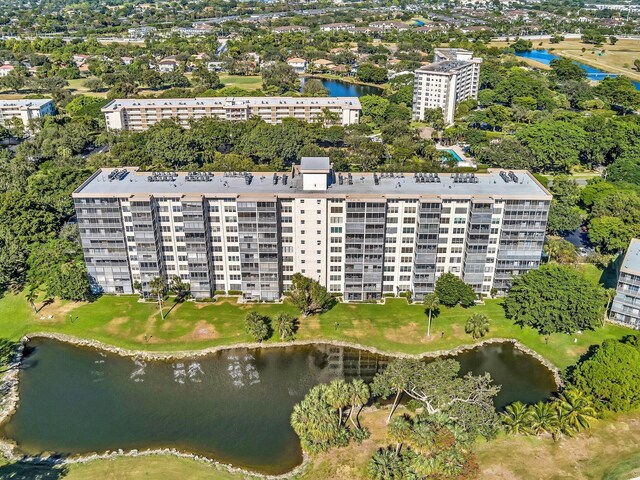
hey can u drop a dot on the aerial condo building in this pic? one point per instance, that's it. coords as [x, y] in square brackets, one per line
[25, 110]
[360, 234]
[135, 114]
[453, 76]
[625, 307]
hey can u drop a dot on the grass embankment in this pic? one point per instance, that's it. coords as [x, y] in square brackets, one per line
[608, 451]
[617, 58]
[393, 327]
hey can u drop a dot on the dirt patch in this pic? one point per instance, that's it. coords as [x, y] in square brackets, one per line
[358, 329]
[407, 333]
[115, 325]
[201, 331]
[55, 312]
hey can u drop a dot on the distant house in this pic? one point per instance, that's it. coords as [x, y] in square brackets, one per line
[337, 27]
[368, 30]
[126, 60]
[140, 32]
[322, 63]
[214, 66]
[298, 64]
[390, 25]
[80, 59]
[167, 65]
[290, 29]
[6, 69]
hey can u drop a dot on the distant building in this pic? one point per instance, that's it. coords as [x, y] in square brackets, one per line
[25, 110]
[337, 27]
[453, 77]
[141, 32]
[298, 64]
[167, 65]
[6, 69]
[290, 29]
[390, 25]
[126, 60]
[134, 114]
[626, 304]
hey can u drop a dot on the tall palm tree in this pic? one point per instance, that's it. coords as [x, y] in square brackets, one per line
[516, 418]
[431, 303]
[360, 394]
[477, 325]
[338, 396]
[32, 296]
[575, 410]
[157, 286]
[543, 418]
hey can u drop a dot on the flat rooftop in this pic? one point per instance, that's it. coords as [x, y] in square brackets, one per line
[445, 66]
[631, 262]
[120, 103]
[26, 103]
[135, 182]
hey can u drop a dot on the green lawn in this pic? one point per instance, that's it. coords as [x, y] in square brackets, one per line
[122, 468]
[393, 327]
[248, 82]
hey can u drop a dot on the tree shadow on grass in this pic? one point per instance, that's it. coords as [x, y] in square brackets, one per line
[32, 470]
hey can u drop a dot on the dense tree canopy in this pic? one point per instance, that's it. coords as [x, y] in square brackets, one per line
[555, 298]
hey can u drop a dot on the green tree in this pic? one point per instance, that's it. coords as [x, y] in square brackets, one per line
[157, 288]
[374, 107]
[543, 418]
[181, 289]
[620, 92]
[563, 69]
[308, 295]
[431, 303]
[339, 397]
[367, 72]
[435, 118]
[560, 250]
[610, 374]
[285, 325]
[612, 234]
[359, 393]
[516, 419]
[281, 76]
[555, 298]
[313, 87]
[556, 145]
[385, 465]
[451, 290]
[574, 410]
[522, 45]
[477, 325]
[31, 297]
[258, 326]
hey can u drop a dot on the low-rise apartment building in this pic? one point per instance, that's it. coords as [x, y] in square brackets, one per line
[134, 114]
[453, 77]
[364, 235]
[625, 307]
[25, 110]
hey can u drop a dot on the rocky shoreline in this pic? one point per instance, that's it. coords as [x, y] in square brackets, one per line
[11, 396]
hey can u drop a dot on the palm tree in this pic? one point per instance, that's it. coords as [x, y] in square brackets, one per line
[575, 411]
[477, 325]
[360, 394]
[32, 296]
[543, 418]
[399, 431]
[431, 302]
[384, 465]
[286, 326]
[157, 286]
[338, 396]
[611, 293]
[516, 418]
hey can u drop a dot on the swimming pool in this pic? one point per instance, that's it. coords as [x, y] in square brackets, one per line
[454, 154]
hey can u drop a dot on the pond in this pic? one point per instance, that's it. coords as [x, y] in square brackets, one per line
[545, 57]
[232, 406]
[340, 88]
